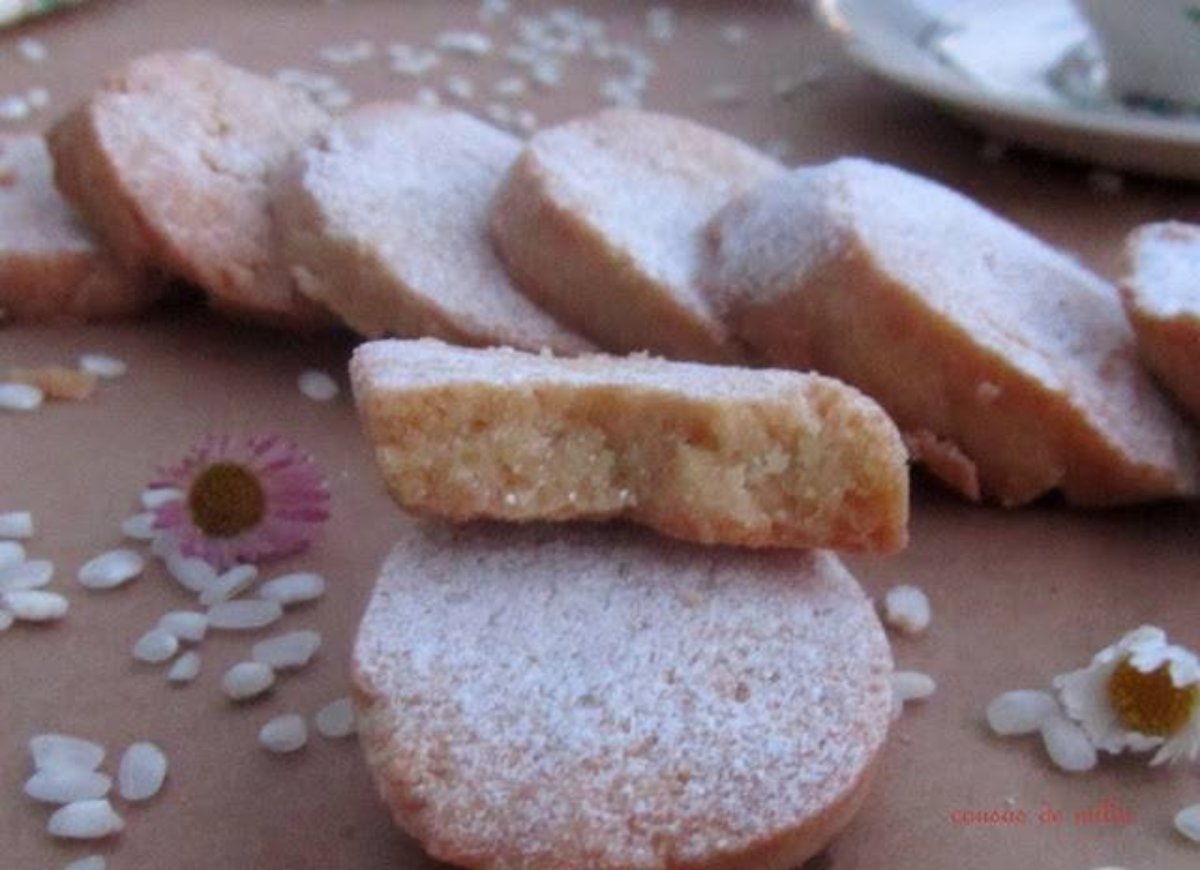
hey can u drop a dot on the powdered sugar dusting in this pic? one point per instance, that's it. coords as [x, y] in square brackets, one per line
[668, 699]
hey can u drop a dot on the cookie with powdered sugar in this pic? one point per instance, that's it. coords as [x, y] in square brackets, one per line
[384, 221]
[600, 220]
[170, 164]
[714, 454]
[595, 697]
[1011, 369]
[51, 268]
[1161, 292]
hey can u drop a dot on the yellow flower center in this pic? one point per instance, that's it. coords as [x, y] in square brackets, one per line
[1150, 703]
[226, 500]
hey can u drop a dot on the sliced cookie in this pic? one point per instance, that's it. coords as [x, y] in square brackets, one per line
[595, 698]
[384, 220]
[1162, 298]
[1011, 368]
[51, 269]
[600, 219]
[705, 453]
[170, 164]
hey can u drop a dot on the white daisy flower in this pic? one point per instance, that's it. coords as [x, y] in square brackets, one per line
[1139, 694]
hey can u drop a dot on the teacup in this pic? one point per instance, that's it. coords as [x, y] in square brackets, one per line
[1152, 47]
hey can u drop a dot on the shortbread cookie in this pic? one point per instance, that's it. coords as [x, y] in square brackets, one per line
[384, 221]
[705, 453]
[600, 222]
[595, 698]
[51, 269]
[170, 164]
[1162, 299]
[1011, 368]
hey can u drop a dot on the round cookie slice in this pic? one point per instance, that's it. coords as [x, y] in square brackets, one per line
[600, 221]
[600, 698]
[169, 163]
[1162, 298]
[51, 269]
[384, 220]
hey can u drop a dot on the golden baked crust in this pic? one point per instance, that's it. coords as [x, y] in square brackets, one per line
[705, 453]
[169, 163]
[987, 346]
[600, 220]
[593, 697]
[1162, 298]
[384, 221]
[51, 269]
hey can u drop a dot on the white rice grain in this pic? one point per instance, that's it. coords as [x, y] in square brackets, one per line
[1067, 744]
[155, 646]
[32, 50]
[287, 651]
[56, 751]
[140, 527]
[912, 686]
[244, 615]
[318, 386]
[283, 734]
[1020, 712]
[194, 575]
[1187, 822]
[247, 680]
[66, 785]
[336, 719]
[91, 862]
[142, 771]
[229, 585]
[293, 588]
[156, 496]
[34, 605]
[111, 570]
[185, 668]
[11, 553]
[102, 365]
[186, 625]
[20, 397]
[38, 98]
[85, 820]
[16, 525]
[33, 574]
[14, 107]
[907, 608]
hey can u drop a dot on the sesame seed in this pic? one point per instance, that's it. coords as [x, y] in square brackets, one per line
[247, 680]
[111, 570]
[317, 385]
[85, 820]
[19, 397]
[283, 734]
[102, 365]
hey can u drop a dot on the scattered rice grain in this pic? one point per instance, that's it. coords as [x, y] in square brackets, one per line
[111, 570]
[1020, 712]
[85, 820]
[55, 751]
[141, 772]
[11, 553]
[247, 680]
[156, 496]
[469, 44]
[19, 576]
[244, 615]
[193, 574]
[15, 107]
[186, 625]
[140, 527]
[293, 588]
[229, 585]
[1187, 822]
[336, 719]
[33, 605]
[32, 50]
[185, 668]
[67, 785]
[283, 734]
[907, 608]
[155, 646]
[1067, 744]
[318, 386]
[16, 524]
[91, 862]
[287, 651]
[912, 686]
[102, 365]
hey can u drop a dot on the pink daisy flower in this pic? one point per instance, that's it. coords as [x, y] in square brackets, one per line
[244, 500]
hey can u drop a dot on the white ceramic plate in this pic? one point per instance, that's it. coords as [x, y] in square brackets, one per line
[1026, 71]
